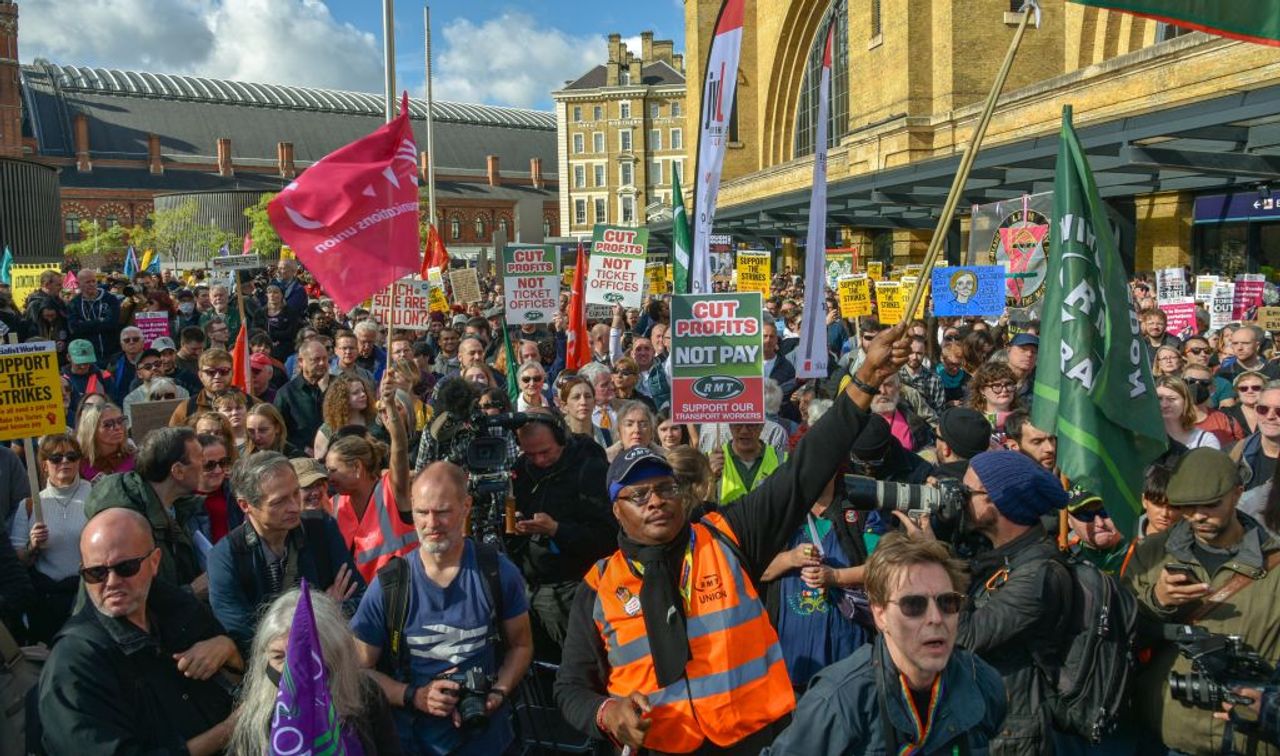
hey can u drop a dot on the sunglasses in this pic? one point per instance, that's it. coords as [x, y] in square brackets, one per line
[1266, 410]
[214, 464]
[160, 397]
[130, 339]
[641, 495]
[58, 459]
[950, 338]
[112, 424]
[126, 569]
[221, 372]
[1197, 350]
[914, 606]
[149, 366]
[1197, 381]
[532, 379]
[1248, 389]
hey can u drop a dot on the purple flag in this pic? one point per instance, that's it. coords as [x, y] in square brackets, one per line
[305, 721]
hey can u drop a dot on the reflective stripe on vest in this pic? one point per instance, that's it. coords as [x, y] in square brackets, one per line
[374, 539]
[732, 487]
[735, 681]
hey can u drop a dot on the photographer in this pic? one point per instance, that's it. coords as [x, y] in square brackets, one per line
[1215, 569]
[449, 435]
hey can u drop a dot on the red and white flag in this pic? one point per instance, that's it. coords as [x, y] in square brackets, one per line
[577, 350]
[811, 355]
[352, 218]
[435, 255]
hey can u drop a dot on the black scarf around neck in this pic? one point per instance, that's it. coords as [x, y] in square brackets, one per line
[664, 620]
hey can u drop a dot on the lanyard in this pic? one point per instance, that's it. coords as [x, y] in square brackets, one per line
[925, 725]
[686, 569]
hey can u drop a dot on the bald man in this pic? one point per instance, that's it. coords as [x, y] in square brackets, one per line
[132, 671]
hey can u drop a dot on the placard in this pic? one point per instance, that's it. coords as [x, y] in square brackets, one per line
[855, 295]
[26, 279]
[154, 325]
[753, 271]
[1204, 288]
[1269, 318]
[840, 263]
[969, 290]
[875, 270]
[1221, 305]
[412, 311]
[656, 273]
[30, 391]
[1181, 316]
[235, 262]
[909, 284]
[530, 282]
[148, 416]
[436, 301]
[891, 300]
[1171, 284]
[717, 362]
[615, 268]
[1248, 294]
[466, 285]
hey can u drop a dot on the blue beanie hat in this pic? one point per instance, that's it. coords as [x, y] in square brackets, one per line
[1021, 489]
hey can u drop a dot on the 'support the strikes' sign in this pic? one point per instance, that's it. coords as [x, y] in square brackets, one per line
[855, 296]
[615, 270]
[30, 391]
[753, 271]
[412, 308]
[531, 280]
[717, 358]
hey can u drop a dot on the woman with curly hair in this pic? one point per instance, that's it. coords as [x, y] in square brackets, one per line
[349, 400]
[994, 393]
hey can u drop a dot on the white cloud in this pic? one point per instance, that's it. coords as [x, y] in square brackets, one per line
[270, 41]
[510, 60]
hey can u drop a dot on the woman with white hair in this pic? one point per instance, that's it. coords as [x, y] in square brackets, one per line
[361, 708]
[636, 427]
[533, 383]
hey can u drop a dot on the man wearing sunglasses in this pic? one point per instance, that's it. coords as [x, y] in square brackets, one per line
[911, 688]
[1261, 449]
[215, 377]
[123, 367]
[134, 670]
[669, 644]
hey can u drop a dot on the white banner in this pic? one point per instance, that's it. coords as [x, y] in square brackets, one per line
[811, 352]
[1220, 305]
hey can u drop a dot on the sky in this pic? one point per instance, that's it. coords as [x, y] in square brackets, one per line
[483, 51]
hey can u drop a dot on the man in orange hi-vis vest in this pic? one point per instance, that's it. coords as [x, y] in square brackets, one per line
[669, 646]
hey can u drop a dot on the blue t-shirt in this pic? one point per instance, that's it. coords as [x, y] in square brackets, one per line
[445, 628]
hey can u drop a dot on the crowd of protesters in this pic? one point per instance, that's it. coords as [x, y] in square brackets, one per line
[476, 520]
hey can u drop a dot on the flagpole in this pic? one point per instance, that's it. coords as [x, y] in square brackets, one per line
[431, 147]
[389, 81]
[1029, 8]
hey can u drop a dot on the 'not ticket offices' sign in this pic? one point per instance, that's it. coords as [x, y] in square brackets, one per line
[615, 268]
[30, 391]
[531, 282]
[717, 358]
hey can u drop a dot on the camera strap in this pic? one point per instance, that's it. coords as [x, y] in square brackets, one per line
[1237, 583]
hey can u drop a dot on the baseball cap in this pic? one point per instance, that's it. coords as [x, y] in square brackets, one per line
[1204, 476]
[309, 471]
[259, 360]
[459, 319]
[81, 352]
[163, 344]
[494, 311]
[1084, 505]
[1025, 339]
[633, 465]
[966, 430]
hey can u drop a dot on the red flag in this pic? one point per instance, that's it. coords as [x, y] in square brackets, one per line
[352, 218]
[240, 362]
[248, 243]
[577, 350]
[435, 255]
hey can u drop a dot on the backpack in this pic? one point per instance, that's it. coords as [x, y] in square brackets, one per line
[1089, 686]
[395, 581]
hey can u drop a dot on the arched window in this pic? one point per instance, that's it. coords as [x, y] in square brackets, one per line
[111, 221]
[504, 225]
[455, 228]
[480, 227]
[807, 108]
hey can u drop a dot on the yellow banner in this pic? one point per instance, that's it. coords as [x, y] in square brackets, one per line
[436, 297]
[855, 296]
[753, 271]
[909, 285]
[286, 252]
[656, 273]
[889, 295]
[566, 276]
[875, 270]
[26, 279]
[30, 391]
[671, 275]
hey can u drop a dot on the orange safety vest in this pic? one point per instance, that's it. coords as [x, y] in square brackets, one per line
[735, 682]
[380, 535]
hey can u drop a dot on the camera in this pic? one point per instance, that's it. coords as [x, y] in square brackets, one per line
[473, 697]
[1218, 664]
[944, 502]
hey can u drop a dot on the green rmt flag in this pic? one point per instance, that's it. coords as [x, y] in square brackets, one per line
[681, 246]
[1093, 385]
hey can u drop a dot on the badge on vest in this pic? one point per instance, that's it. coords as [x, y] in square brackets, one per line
[630, 601]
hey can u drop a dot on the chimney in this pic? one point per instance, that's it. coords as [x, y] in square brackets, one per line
[637, 72]
[535, 172]
[677, 62]
[10, 99]
[662, 50]
[284, 160]
[153, 155]
[646, 46]
[424, 166]
[224, 157]
[615, 45]
[495, 175]
[83, 164]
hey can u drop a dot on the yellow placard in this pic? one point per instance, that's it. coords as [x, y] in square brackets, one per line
[435, 297]
[30, 391]
[909, 284]
[566, 276]
[912, 270]
[26, 279]
[753, 271]
[656, 274]
[890, 297]
[286, 252]
[875, 270]
[855, 295]
[671, 275]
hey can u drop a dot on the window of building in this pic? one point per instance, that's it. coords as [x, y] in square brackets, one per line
[875, 19]
[597, 141]
[677, 139]
[626, 174]
[655, 110]
[579, 176]
[480, 227]
[578, 145]
[455, 228]
[1166, 32]
[628, 210]
[624, 77]
[599, 175]
[677, 169]
[579, 212]
[111, 221]
[807, 109]
[546, 227]
[577, 112]
[602, 210]
[504, 226]
[655, 139]
[655, 172]
[71, 227]
[675, 108]
[597, 113]
[624, 140]
[624, 110]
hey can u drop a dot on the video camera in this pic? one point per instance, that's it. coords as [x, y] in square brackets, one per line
[1218, 664]
[944, 502]
[473, 697]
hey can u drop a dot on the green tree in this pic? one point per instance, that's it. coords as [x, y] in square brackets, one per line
[104, 240]
[179, 228]
[266, 241]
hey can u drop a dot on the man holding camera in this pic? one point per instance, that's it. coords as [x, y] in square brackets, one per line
[447, 628]
[1217, 569]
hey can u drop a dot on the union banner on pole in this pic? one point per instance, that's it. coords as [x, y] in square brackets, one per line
[811, 353]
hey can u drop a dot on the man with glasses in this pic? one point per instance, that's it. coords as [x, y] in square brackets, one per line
[346, 356]
[744, 461]
[123, 367]
[134, 669]
[215, 377]
[1196, 351]
[911, 688]
[149, 369]
[1154, 330]
[1261, 449]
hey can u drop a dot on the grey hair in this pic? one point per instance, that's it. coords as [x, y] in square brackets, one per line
[818, 408]
[365, 326]
[635, 405]
[131, 330]
[532, 365]
[593, 370]
[220, 287]
[160, 383]
[247, 475]
[258, 694]
[772, 396]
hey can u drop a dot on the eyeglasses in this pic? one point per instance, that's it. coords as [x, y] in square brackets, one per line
[1266, 410]
[214, 464]
[914, 606]
[221, 372]
[1000, 387]
[1197, 350]
[148, 366]
[113, 423]
[949, 338]
[125, 569]
[161, 397]
[641, 495]
[532, 379]
[58, 459]
[130, 339]
[1249, 389]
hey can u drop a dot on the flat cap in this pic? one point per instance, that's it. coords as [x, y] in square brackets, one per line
[1204, 476]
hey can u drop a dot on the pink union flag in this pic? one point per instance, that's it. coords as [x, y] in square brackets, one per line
[352, 218]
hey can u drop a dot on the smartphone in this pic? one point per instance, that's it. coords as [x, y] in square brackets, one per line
[1182, 568]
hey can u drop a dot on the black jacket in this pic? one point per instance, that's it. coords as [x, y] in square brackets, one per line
[573, 493]
[302, 405]
[1011, 626]
[112, 688]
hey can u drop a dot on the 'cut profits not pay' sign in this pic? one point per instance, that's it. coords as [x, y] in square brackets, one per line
[615, 270]
[717, 358]
[531, 282]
